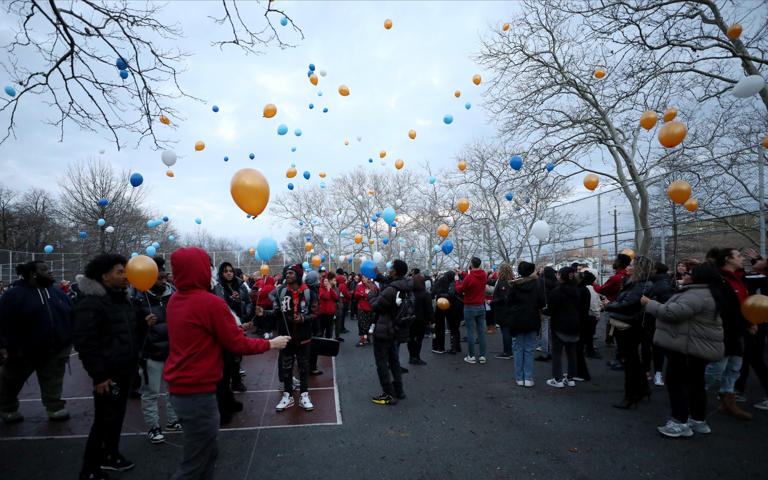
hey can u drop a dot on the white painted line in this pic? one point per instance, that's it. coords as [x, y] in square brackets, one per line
[336, 393]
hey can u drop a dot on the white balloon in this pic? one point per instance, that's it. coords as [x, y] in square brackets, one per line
[109, 229]
[540, 230]
[377, 257]
[402, 254]
[323, 73]
[168, 157]
[748, 86]
[398, 202]
[359, 198]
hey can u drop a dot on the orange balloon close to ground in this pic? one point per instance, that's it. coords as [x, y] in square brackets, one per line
[313, 79]
[291, 172]
[591, 181]
[443, 230]
[671, 134]
[316, 260]
[669, 114]
[462, 165]
[343, 90]
[169, 173]
[629, 252]
[358, 238]
[264, 269]
[382, 154]
[600, 73]
[164, 120]
[476, 79]
[199, 146]
[505, 27]
[250, 191]
[399, 163]
[141, 272]
[755, 309]
[457, 94]
[270, 110]
[691, 204]
[387, 24]
[443, 303]
[412, 134]
[308, 246]
[648, 119]
[463, 204]
[734, 31]
[679, 191]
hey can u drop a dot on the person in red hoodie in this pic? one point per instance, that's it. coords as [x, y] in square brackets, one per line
[364, 312]
[199, 325]
[610, 289]
[260, 296]
[328, 298]
[473, 288]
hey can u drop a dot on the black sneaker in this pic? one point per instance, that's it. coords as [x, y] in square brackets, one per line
[339, 339]
[117, 463]
[239, 387]
[403, 370]
[384, 399]
[417, 361]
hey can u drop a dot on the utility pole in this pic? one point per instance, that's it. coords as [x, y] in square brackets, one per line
[615, 233]
[761, 198]
[661, 229]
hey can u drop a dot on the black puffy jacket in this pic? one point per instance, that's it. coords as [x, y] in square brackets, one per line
[106, 331]
[663, 287]
[385, 306]
[563, 309]
[155, 344]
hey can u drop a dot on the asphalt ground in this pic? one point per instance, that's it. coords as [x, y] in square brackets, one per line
[459, 421]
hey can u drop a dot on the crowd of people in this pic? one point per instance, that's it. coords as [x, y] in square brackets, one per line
[191, 328]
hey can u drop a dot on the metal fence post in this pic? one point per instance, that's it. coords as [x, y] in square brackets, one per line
[761, 198]
[599, 241]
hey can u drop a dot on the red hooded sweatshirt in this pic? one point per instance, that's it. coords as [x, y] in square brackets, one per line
[261, 297]
[345, 296]
[736, 280]
[328, 299]
[199, 325]
[473, 288]
[612, 286]
[362, 297]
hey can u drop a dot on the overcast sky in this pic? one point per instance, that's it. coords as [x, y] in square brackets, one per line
[400, 79]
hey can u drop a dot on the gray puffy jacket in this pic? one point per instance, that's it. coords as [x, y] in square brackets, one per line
[689, 323]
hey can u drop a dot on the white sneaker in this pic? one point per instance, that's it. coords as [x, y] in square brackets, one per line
[698, 426]
[519, 383]
[762, 405]
[296, 383]
[658, 380]
[674, 429]
[528, 383]
[469, 359]
[305, 402]
[285, 402]
[569, 381]
[555, 383]
[155, 436]
[481, 359]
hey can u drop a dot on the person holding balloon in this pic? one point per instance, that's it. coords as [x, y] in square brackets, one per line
[448, 313]
[364, 313]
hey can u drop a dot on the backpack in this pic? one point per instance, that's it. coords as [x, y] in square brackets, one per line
[406, 312]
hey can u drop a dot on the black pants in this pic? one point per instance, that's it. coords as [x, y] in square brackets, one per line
[454, 322]
[416, 336]
[353, 308]
[108, 414]
[685, 384]
[438, 341]
[557, 357]
[325, 325]
[587, 334]
[646, 344]
[341, 314]
[385, 354]
[266, 323]
[231, 370]
[754, 356]
[628, 346]
[285, 358]
[364, 321]
[585, 339]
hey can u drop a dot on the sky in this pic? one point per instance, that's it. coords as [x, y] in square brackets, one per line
[399, 79]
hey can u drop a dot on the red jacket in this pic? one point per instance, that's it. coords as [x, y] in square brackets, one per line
[473, 288]
[328, 297]
[260, 292]
[362, 297]
[345, 295]
[611, 286]
[199, 325]
[736, 280]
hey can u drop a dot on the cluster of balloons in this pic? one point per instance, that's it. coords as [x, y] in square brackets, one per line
[122, 68]
[679, 192]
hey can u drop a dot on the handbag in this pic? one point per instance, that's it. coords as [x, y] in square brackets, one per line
[326, 347]
[618, 321]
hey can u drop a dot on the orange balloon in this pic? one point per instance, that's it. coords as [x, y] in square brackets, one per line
[648, 119]
[462, 165]
[734, 31]
[370, 192]
[251, 251]
[270, 110]
[358, 238]
[691, 204]
[308, 246]
[169, 173]
[476, 79]
[591, 181]
[629, 252]
[141, 272]
[600, 73]
[443, 303]
[250, 191]
[343, 90]
[370, 241]
[669, 114]
[399, 163]
[313, 79]
[412, 134]
[463, 204]
[322, 174]
[765, 141]
[443, 230]
[316, 260]
[457, 94]
[382, 154]
[755, 309]
[291, 172]
[346, 142]
[505, 28]
[264, 269]
[387, 24]
[164, 120]
[679, 191]
[672, 134]
[199, 146]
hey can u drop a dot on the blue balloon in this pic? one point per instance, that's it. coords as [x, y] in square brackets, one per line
[293, 149]
[83, 234]
[389, 265]
[309, 73]
[314, 221]
[394, 224]
[370, 160]
[432, 180]
[215, 108]
[293, 165]
[311, 106]
[349, 260]
[319, 93]
[448, 119]
[367, 268]
[48, 249]
[389, 215]
[121, 64]
[325, 110]
[150, 223]
[266, 248]
[447, 247]
[378, 215]
[495, 267]
[436, 248]
[171, 238]
[198, 221]
[284, 21]
[308, 238]
[103, 202]
[134, 254]
[306, 174]
[343, 233]
[322, 258]
[301, 223]
[433, 264]
[550, 167]
[509, 196]
[322, 184]
[374, 219]
[413, 250]
[248, 216]
[516, 162]
[155, 244]
[305, 265]
[367, 225]
[256, 256]
[297, 132]
[467, 105]
[101, 222]
[282, 129]
[333, 256]
[385, 241]
[290, 186]
[311, 67]
[165, 219]
[400, 240]
[226, 159]
[151, 251]
[123, 74]
[136, 179]
[517, 209]
[251, 156]
[527, 200]
[10, 91]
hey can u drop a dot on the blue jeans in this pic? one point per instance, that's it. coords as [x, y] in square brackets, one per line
[726, 370]
[544, 343]
[525, 344]
[474, 317]
[508, 339]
